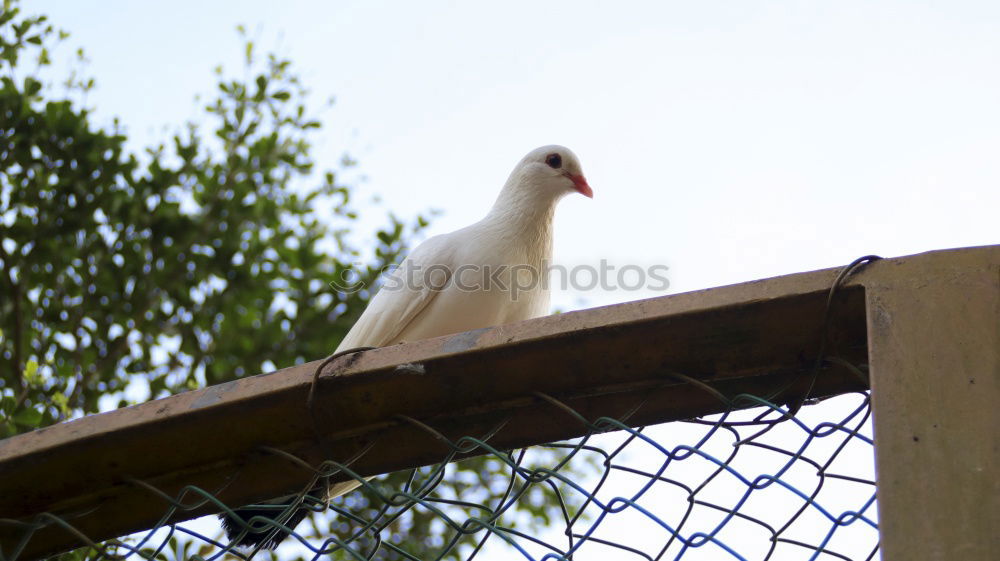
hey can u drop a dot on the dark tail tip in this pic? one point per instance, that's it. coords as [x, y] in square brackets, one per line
[260, 533]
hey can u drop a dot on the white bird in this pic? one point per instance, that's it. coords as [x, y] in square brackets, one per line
[487, 274]
[448, 284]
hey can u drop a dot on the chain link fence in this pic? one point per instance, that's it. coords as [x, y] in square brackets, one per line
[756, 483]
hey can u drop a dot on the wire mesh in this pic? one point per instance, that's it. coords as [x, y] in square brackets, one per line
[749, 484]
[760, 481]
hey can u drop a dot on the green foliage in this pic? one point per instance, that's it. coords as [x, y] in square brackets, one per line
[192, 264]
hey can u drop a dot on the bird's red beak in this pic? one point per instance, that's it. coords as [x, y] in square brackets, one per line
[580, 182]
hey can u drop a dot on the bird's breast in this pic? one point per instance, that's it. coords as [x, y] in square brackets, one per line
[484, 294]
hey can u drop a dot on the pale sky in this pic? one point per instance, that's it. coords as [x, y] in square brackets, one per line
[728, 140]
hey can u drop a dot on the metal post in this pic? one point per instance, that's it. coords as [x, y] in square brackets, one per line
[934, 346]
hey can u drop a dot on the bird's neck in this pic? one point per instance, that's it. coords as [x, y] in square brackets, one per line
[523, 215]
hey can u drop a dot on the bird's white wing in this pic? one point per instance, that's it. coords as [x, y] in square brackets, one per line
[407, 291]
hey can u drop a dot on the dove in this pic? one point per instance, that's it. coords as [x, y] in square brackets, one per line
[484, 275]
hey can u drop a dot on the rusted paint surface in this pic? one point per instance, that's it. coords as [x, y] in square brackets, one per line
[743, 338]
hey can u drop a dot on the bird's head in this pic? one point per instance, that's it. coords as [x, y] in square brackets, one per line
[554, 169]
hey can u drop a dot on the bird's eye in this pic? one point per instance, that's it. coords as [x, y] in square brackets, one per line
[554, 161]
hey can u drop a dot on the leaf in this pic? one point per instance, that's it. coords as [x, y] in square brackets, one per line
[282, 95]
[31, 373]
[7, 404]
[61, 402]
[28, 417]
[31, 86]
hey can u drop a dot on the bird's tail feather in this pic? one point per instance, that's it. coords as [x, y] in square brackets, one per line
[268, 536]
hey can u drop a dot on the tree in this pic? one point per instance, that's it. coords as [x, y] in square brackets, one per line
[126, 277]
[192, 266]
